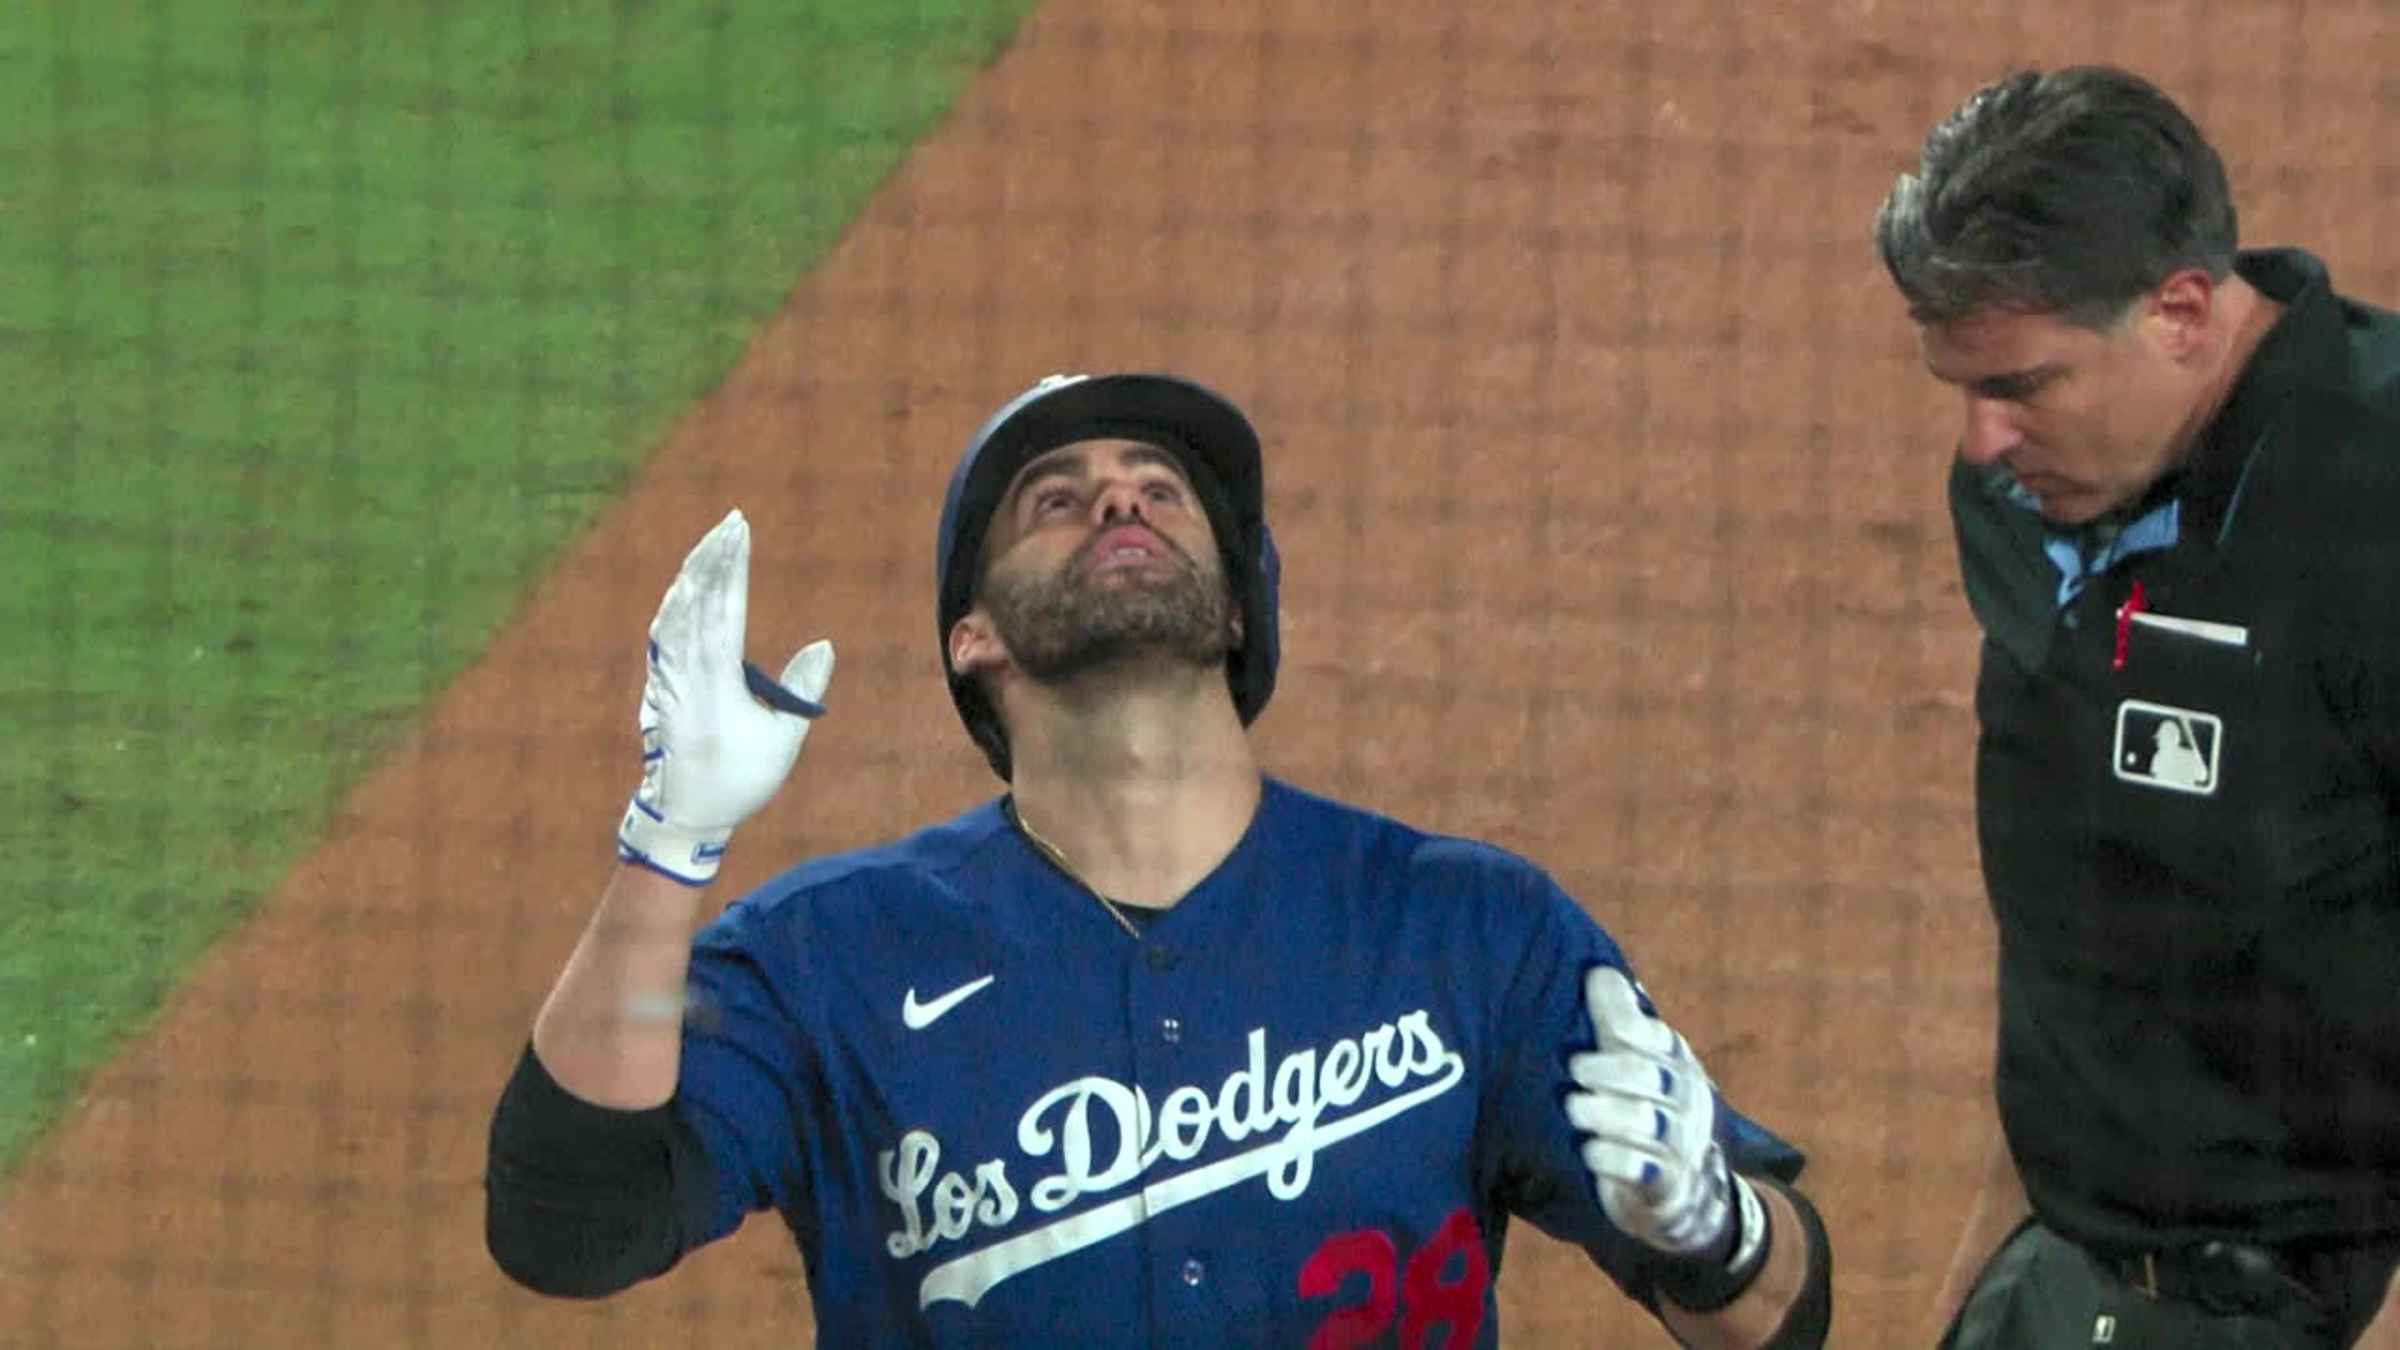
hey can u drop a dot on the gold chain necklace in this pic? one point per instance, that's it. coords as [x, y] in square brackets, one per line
[1058, 859]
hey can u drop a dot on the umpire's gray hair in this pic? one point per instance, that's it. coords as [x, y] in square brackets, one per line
[2071, 192]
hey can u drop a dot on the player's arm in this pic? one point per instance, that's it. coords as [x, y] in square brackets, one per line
[1794, 1278]
[712, 754]
[593, 1181]
[611, 1031]
[1745, 1263]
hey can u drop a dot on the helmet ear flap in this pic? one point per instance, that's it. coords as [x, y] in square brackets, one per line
[975, 708]
[1251, 666]
[983, 726]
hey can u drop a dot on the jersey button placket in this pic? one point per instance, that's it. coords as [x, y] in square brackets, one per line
[1194, 1273]
[1162, 959]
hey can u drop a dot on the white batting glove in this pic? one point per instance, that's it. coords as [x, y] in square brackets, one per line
[1650, 1113]
[712, 754]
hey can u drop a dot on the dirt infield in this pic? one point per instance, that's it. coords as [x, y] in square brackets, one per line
[1609, 498]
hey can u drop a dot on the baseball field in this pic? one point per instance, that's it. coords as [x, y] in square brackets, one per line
[371, 366]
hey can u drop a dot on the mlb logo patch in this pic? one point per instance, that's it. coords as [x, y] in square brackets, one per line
[2177, 749]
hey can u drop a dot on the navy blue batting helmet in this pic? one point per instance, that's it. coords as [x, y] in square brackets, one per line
[1219, 452]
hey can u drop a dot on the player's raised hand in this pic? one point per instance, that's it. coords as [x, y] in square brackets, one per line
[1649, 1114]
[712, 753]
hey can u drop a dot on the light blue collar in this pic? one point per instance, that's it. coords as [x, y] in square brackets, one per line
[2079, 555]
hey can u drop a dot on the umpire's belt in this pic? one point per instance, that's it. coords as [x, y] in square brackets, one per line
[2227, 1278]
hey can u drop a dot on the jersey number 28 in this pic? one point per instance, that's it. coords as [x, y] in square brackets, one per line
[1429, 1293]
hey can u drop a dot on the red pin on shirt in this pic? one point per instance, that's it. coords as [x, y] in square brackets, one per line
[2134, 604]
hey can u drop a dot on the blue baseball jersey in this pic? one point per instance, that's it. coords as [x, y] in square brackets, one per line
[1300, 1108]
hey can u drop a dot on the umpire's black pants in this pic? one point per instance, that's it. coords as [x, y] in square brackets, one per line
[2042, 1292]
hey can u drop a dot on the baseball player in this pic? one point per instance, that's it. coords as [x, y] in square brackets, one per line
[2175, 493]
[1151, 1050]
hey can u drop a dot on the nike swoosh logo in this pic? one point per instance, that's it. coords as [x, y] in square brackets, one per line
[919, 1016]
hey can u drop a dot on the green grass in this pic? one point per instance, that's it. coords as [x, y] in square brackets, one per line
[322, 327]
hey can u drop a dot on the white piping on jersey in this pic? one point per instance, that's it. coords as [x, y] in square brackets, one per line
[1249, 1101]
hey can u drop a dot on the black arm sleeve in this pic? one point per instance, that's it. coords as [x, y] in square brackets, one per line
[582, 1200]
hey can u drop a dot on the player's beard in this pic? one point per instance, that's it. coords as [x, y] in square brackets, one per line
[1072, 621]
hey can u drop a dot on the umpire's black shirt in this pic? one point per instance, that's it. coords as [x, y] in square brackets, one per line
[2194, 857]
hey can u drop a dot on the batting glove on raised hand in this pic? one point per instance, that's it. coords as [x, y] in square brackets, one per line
[712, 753]
[1649, 1114]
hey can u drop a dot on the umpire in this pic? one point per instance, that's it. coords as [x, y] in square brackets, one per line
[2177, 502]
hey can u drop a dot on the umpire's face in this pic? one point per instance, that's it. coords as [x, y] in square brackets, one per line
[1098, 551]
[2084, 419]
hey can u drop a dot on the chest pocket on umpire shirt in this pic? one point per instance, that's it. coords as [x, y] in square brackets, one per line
[2180, 742]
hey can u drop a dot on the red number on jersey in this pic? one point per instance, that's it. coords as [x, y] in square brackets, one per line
[1430, 1300]
[1368, 1251]
[1429, 1293]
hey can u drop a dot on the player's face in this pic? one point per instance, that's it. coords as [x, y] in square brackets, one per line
[2085, 419]
[1099, 550]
